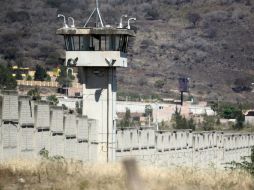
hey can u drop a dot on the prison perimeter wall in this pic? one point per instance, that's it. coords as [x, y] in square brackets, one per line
[27, 127]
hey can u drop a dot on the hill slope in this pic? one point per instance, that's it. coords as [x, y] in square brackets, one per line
[210, 41]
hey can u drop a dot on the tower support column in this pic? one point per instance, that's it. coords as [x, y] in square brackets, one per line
[99, 98]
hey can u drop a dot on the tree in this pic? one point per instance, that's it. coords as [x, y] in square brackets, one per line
[48, 78]
[126, 121]
[79, 107]
[228, 110]
[209, 122]
[40, 73]
[53, 100]
[34, 94]
[18, 75]
[180, 122]
[148, 111]
[7, 81]
[127, 115]
[240, 118]
[65, 77]
[64, 107]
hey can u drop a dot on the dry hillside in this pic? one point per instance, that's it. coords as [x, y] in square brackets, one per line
[210, 41]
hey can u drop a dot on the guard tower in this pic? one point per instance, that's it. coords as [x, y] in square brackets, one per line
[97, 52]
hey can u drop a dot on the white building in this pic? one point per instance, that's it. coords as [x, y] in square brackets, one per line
[249, 117]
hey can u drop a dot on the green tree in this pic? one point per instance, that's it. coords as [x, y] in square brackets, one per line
[29, 78]
[191, 124]
[7, 81]
[48, 78]
[65, 77]
[127, 116]
[126, 121]
[148, 111]
[53, 100]
[34, 94]
[240, 118]
[180, 122]
[209, 122]
[40, 74]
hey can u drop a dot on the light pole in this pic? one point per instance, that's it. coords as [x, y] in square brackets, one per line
[157, 126]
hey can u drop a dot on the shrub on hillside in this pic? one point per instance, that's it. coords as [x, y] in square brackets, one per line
[159, 84]
[242, 84]
[193, 18]
[210, 32]
[17, 16]
[146, 43]
[177, 2]
[216, 16]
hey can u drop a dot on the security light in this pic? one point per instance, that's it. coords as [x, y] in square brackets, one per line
[121, 21]
[64, 24]
[129, 27]
[73, 22]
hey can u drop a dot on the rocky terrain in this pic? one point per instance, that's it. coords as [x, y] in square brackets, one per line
[209, 41]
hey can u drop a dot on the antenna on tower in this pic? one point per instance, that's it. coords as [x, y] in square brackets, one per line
[96, 10]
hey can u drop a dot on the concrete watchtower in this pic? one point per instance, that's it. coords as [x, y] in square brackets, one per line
[97, 52]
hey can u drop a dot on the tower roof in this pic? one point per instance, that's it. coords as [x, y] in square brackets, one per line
[95, 31]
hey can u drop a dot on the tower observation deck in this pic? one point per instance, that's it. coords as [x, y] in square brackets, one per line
[96, 52]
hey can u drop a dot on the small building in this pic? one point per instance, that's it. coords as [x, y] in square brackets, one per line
[24, 72]
[163, 112]
[249, 117]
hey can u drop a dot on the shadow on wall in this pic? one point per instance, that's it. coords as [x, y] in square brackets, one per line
[98, 94]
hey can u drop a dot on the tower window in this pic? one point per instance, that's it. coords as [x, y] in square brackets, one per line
[96, 43]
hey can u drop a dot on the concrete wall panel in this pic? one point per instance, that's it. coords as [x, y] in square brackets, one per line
[26, 111]
[70, 147]
[82, 128]
[9, 141]
[57, 144]
[9, 111]
[26, 142]
[56, 119]
[70, 124]
[83, 151]
[42, 140]
[92, 129]
[42, 115]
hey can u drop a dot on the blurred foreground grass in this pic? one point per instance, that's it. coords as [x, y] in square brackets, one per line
[76, 176]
